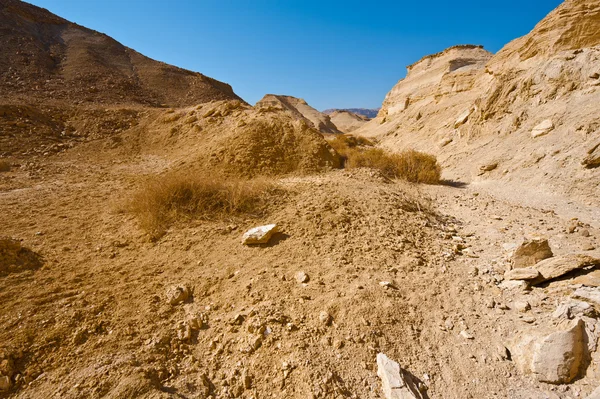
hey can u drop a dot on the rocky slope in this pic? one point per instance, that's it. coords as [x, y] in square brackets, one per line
[46, 57]
[298, 109]
[526, 114]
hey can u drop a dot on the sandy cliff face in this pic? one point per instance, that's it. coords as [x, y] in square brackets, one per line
[299, 109]
[530, 110]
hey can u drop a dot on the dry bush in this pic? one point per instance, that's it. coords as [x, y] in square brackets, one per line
[344, 142]
[165, 200]
[4, 166]
[411, 165]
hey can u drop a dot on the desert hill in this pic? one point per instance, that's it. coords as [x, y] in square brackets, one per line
[48, 58]
[526, 114]
[347, 121]
[299, 109]
[366, 112]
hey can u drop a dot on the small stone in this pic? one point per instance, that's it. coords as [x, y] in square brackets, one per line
[511, 285]
[449, 324]
[5, 383]
[259, 235]
[542, 129]
[338, 344]
[584, 232]
[521, 306]
[490, 303]
[325, 318]
[177, 294]
[466, 335]
[302, 277]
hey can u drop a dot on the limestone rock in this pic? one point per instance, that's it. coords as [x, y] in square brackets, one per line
[531, 252]
[555, 267]
[588, 294]
[558, 356]
[572, 308]
[525, 273]
[488, 167]
[542, 129]
[396, 383]
[259, 235]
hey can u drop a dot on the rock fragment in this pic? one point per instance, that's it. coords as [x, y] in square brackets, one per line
[302, 277]
[555, 267]
[592, 160]
[177, 294]
[325, 318]
[542, 129]
[396, 383]
[525, 273]
[588, 294]
[259, 235]
[531, 252]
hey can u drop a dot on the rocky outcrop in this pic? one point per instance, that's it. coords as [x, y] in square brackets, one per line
[531, 108]
[299, 109]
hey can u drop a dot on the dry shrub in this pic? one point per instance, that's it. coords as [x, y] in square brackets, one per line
[411, 165]
[4, 166]
[168, 199]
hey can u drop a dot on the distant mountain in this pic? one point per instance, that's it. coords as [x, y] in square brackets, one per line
[45, 57]
[368, 112]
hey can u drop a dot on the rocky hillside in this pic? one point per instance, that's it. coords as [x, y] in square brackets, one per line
[47, 58]
[298, 109]
[526, 114]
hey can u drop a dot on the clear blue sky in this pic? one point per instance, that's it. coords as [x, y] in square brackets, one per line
[334, 54]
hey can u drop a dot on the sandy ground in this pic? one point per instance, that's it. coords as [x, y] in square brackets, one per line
[94, 320]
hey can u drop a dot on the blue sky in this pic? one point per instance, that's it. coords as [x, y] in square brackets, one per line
[334, 54]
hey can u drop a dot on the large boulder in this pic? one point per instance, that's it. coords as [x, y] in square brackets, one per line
[554, 358]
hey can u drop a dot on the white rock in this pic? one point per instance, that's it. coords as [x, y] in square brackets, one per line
[302, 277]
[542, 129]
[588, 294]
[259, 235]
[514, 285]
[558, 356]
[396, 383]
[466, 335]
[462, 118]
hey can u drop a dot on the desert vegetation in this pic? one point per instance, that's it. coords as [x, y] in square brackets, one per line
[410, 165]
[165, 200]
